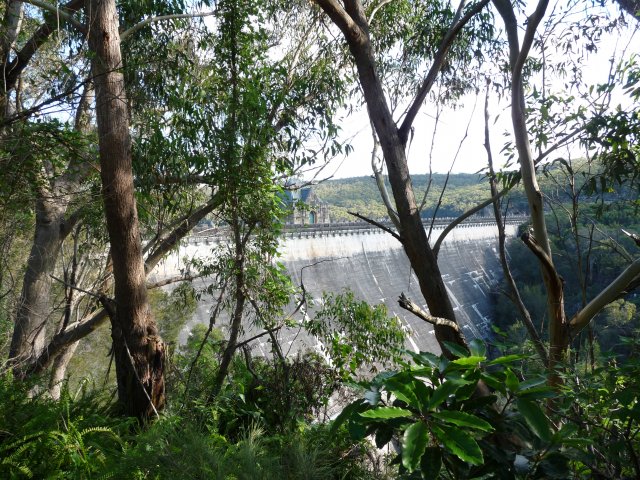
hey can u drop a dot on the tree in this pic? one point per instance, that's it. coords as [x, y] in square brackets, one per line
[352, 21]
[138, 349]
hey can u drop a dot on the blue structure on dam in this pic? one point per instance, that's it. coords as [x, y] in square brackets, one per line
[373, 265]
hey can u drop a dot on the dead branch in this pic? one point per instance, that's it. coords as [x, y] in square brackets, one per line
[412, 307]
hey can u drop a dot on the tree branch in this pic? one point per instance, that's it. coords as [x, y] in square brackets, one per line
[608, 295]
[176, 235]
[40, 36]
[343, 20]
[59, 12]
[438, 61]
[147, 21]
[467, 214]
[377, 224]
[408, 305]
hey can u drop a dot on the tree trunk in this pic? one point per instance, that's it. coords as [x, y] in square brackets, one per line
[138, 349]
[51, 228]
[34, 307]
[355, 28]
[11, 24]
[558, 326]
[59, 369]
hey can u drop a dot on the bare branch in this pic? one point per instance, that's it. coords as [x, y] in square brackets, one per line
[39, 38]
[467, 214]
[514, 294]
[147, 21]
[176, 279]
[176, 235]
[438, 61]
[377, 8]
[632, 236]
[412, 307]
[59, 12]
[377, 224]
[382, 188]
[343, 20]
[608, 295]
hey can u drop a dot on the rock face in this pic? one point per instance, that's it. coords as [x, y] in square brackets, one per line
[373, 265]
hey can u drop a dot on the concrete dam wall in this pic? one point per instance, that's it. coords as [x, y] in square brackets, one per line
[373, 265]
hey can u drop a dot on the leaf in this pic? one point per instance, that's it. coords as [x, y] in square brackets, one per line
[431, 463]
[346, 413]
[426, 359]
[507, 359]
[477, 347]
[535, 418]
[403, 389]
[444, 390]
[468, 361]
[460, 443]
[372, 396]
[456, 349]
[537, 393]
[414, 442]
[511, 381]
[386, 412]
[383, 436]
[463, 419]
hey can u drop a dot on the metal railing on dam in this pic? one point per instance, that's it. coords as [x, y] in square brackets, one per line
[349, 228]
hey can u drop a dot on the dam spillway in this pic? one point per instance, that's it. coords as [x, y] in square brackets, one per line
[372, 264]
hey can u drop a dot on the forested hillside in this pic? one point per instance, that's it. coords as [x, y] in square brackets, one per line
[124, 124]
[361, 195]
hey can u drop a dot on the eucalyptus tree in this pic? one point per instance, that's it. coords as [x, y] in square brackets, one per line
[357, 24]
[56, 191]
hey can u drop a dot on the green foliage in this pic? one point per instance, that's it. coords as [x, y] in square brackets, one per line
[70, 438]
[449, 425]
[356, 335]
[360, 194]
[173, 310]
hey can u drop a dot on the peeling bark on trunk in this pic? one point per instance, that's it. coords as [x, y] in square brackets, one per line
[138, 349]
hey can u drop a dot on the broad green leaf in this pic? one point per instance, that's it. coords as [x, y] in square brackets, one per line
[346, 413]
[456, 349]
[383, 435]
[431, 463]
[443, 391]
[506, 359]
[493, 382]
[403, 389]
[463, 419]
[535, 418]
[477, 347]
[386, 412]
[511, 381]
[533, 382]
[460, 443]
[536, 393]
[414, 442]
[467, 361]
[426, 359]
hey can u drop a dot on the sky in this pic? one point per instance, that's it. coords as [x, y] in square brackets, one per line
[466, 123]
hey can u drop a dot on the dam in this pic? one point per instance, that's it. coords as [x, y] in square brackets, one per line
[372, 264]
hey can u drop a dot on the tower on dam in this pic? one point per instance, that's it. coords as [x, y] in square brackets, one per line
[373, 265]
[305, 206]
